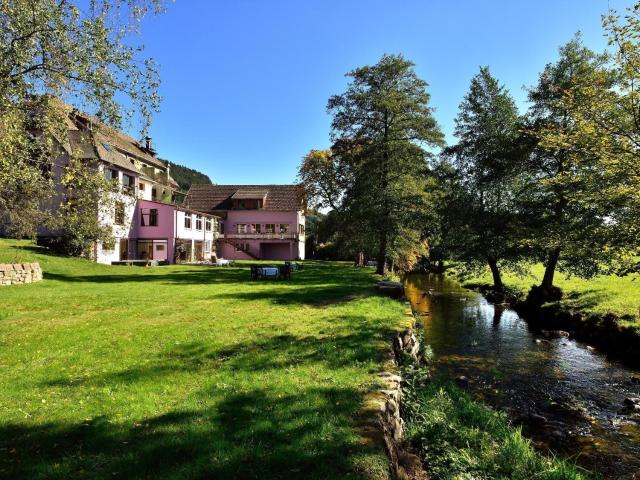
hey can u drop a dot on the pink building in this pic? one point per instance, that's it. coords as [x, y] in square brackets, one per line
[168, 233]
[256, 221]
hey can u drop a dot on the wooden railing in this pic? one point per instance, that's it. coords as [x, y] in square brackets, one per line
[259, 236]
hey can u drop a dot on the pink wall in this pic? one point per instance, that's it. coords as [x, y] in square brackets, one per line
[259, 216]
[165, 229]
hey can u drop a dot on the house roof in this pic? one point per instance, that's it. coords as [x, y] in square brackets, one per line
[216, 198]
[92, 139]
[249, 194]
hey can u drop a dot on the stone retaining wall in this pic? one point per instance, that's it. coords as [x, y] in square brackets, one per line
[19, 273]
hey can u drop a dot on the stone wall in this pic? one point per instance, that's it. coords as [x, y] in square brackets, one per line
[19, 273]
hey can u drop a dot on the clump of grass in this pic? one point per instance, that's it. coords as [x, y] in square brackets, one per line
[391, 276]
[459, 438]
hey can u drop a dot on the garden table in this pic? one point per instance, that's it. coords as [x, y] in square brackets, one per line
[270, 271]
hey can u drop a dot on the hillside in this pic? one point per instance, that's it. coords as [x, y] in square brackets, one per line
[186, 176]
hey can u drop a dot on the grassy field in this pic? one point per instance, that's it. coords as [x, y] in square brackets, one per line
[599, 295]
[188, 371]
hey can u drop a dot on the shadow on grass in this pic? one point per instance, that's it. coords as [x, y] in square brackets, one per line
[251, 434]
[280, 352]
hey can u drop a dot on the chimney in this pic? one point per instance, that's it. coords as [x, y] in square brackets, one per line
[148, 145]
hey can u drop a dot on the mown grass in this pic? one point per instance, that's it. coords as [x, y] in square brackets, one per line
[188, 371]
[599, 295]
[459, 438]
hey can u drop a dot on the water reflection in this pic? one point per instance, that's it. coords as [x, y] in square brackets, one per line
[567, 398]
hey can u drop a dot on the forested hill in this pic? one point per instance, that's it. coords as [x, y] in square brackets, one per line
[186, 176]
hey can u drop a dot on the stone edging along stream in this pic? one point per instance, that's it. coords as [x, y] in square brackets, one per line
[383, 407]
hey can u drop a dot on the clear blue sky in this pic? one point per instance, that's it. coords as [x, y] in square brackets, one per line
[245, 83]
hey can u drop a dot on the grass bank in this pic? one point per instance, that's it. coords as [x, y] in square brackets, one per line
[459, 438]
[598, 296]
[188, 371]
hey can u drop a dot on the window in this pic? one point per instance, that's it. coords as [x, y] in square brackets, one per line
[187, 221]
[207, 246]
[284, 228]
[242, 247]
[119, 214]
[207, 224]
[270, 228]
[110, 174]
[141, 187]
[256, 227]
[149, 217]
[241, 228]
[198, 222]
[222, 228]
[160, 248]
[301, 229]
[128, 182]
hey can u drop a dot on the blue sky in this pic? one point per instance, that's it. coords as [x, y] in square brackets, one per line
[245, 83]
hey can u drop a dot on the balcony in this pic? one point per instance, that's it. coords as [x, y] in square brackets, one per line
[258, 236]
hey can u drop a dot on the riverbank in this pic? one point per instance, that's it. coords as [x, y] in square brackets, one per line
[603, 312]
[189, 371]
[458, 437]
[568, 399]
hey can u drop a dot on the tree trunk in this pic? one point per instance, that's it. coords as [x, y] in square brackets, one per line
[382, 254]
[550, 268]
[495, 272]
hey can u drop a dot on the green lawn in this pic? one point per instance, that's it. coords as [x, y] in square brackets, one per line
[599, 295]
[188, 371]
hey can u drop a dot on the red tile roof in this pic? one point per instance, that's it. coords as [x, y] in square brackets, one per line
[217, 198]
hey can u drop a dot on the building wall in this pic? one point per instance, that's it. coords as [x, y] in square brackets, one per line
[269, 249]
[193, 234]
[107, 218]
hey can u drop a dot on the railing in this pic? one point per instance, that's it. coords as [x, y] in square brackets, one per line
[259, 236]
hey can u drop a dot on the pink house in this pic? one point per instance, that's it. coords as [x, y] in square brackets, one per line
[256, 221]
[167, 233]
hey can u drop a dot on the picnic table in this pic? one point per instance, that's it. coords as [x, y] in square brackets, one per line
[270, 272]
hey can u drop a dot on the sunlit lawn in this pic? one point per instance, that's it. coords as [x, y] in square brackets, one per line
[599, 295]
[187, 371]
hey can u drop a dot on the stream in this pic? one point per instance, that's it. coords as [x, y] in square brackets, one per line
[568, 398]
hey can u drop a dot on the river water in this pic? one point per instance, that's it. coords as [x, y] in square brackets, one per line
[567, 397]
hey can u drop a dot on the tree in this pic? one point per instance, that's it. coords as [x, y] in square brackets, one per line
[51, 49]
[381, 126]
[325, 178]
[566, 227]
[482, 211]
[601, 142]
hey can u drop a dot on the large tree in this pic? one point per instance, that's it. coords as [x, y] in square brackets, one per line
[482, 197]
[78, 51]
[382, 126]
[601, 143]
[566, 226]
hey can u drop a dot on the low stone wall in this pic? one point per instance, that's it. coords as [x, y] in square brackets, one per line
[19, 273]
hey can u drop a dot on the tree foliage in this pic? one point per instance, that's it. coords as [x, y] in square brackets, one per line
[185, 176]
[382, 125]
[58, 49]
[481, 210]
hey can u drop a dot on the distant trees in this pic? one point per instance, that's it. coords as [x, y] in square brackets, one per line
[376, 174]
[81, 51]
[185, 176]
